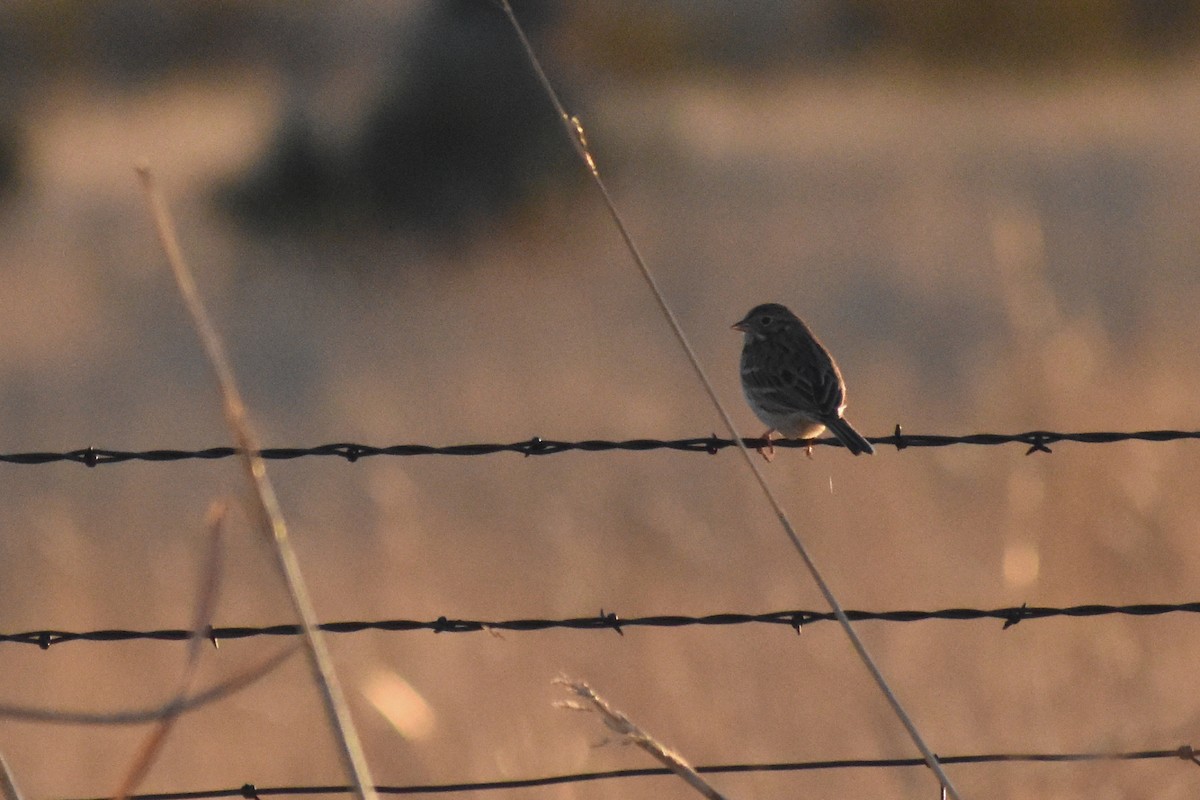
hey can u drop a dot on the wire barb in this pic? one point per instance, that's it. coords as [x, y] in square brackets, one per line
[1186, 753]
[1016, 616]
[1038, 442]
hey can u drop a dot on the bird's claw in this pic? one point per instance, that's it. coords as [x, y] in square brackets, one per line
[767, 451]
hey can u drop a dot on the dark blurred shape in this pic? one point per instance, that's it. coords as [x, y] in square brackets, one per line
[646, 38]
[461, 134]
[468, 130]
[137, 40]
[15, 86]
[298, 182]
[1030, 34]
[124, 42]
[1159, 27]
[130, 41]
[11, 148]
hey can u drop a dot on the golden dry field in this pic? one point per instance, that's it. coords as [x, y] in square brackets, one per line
[982, 253]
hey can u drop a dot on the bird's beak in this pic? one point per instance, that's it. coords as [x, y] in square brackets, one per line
[740, 327]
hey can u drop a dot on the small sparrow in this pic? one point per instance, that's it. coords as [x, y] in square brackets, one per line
[791, 382]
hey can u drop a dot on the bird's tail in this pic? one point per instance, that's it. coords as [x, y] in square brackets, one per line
[853, 440]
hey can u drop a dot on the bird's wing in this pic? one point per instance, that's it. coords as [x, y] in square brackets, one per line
[798, 378]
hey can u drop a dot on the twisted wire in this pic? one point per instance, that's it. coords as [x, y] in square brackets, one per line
[610, 621]
[251, 792]
[1034, 441]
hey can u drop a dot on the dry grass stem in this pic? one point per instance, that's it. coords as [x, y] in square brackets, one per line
[620, 724]
[205, 608]
[575, 133]
[8, 784]
[267, 512]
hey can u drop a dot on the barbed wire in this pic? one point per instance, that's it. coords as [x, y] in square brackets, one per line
[1036, 441]
[250, 792]
[609, 621]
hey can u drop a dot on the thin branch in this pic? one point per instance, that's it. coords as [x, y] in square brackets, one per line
[575, 132]
[622, 725]
[267, 512]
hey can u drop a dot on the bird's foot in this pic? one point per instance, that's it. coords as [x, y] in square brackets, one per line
[767, 451]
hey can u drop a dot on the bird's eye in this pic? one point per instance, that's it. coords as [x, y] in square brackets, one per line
[764, 320]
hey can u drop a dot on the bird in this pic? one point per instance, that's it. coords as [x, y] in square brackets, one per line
[791, 381]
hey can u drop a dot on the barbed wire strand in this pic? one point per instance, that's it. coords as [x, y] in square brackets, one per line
[1036, 441]
[610, 621]
[575, 133]
[250, 792]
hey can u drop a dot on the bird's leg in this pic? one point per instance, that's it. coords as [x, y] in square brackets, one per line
[767, 451]
[808, 443]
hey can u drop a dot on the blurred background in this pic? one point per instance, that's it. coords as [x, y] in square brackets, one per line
[988, 211]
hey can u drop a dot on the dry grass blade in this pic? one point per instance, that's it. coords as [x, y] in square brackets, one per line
[575, 133]
[155, 713]
[621, 724]
[269, 516]
[206, 601]
[8, 784]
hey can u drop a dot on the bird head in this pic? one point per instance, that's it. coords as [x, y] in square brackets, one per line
[764, 319]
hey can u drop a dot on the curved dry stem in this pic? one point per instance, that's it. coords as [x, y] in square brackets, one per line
[142, 716]
[205, 607]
